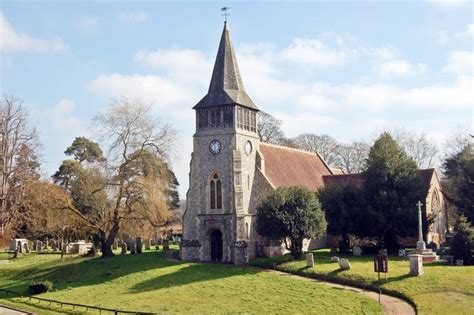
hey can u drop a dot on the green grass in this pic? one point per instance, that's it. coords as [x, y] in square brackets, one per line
[442, 289]
[148, 282]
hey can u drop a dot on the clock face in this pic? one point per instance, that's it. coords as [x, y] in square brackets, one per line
[215, 147]
[248, 147]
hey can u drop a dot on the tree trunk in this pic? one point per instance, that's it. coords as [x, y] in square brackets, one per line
[106, 242]
[296, 248]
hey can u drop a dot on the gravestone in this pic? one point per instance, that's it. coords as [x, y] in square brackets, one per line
[416, 265]
[39, 246]
[46, 243]
[54, 245]
[166, 244]
[334, 259]
[459, 262]
[19, 246]
[309, 260]
[147, 244]
[132, 246]
[344, 264]
[357, 251]
[27, 247]
[139, 245]
[152, 242]
[402, 253]
[115, 244]
[123, 247]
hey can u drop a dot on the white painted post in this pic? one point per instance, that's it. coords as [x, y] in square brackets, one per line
[420, 245]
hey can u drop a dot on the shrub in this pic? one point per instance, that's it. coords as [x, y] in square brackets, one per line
[462, 243]
[41, 286]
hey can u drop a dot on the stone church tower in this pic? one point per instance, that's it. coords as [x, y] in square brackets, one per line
[218, 223]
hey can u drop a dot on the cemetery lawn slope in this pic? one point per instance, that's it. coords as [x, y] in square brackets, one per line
[148, 282]
[441, 289]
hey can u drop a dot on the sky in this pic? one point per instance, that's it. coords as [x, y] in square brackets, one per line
[343, 68]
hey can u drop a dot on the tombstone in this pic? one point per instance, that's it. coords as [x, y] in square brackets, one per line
[334, 259]
[152, 242]
[46, 243]
[123, 247]
[19, 247]
[157, 247]
[132, 246]
[27, 247]
[309, 260]
[402, 252]
[449, 259]
[54, 245]
[416, 265]
[166, 244]
[344, 264]
[357, 251]
[139, 245]
[147, 244]
[39, 245]
[15, 253]
[115, 244]
[459, 262]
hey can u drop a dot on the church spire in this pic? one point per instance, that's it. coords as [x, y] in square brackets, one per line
[226, 85]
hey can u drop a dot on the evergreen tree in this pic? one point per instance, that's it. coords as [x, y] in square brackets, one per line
[343, 208]
[459, 184]
[291, 214]
[392, 189]
[462, 245]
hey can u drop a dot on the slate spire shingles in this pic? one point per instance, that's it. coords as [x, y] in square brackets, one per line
[226, 85]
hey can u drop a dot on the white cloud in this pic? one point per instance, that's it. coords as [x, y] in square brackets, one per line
[460, 62]
[133, 18]
[89, 23]
[183, 64]
[399, 67]
[313, 52]
[159, 91]
[468, 33]
[12, 41]
[58, 126]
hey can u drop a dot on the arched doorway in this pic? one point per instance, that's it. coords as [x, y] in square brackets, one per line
[216, 245]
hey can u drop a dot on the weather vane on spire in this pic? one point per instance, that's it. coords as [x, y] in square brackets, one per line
[225, 14]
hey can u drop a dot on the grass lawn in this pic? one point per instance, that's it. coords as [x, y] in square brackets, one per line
[441, 290]
[148, 282]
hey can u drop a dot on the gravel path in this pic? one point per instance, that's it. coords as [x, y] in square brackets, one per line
[5, 310]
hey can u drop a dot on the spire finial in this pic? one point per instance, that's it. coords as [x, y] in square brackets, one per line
[225, 14]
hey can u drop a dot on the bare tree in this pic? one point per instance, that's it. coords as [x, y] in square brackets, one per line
[19, 147]
[457, 141]
[324, 145]
[418, 146]
[352, 157]
[269, 128]
[132, 185]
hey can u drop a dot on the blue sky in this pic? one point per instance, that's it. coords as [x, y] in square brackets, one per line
[347, 69]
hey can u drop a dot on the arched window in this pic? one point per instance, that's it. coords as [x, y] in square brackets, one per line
[215, 191]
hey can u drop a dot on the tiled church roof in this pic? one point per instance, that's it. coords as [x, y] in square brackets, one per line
[290, 167]
[357, 180]
[226, 85]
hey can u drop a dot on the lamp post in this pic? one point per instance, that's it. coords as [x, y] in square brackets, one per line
[420, 245]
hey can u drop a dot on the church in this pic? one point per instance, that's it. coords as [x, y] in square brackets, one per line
[231, 170]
